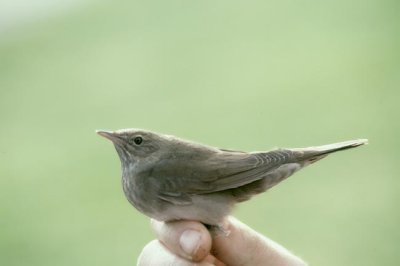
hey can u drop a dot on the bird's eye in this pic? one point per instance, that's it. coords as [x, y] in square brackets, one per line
[137, 140]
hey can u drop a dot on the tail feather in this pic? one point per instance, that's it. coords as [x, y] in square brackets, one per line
[286, 165]
[313, 154]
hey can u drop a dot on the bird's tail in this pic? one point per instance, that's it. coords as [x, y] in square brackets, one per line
[313, 154]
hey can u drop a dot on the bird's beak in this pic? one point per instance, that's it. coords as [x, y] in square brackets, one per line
[111, 135]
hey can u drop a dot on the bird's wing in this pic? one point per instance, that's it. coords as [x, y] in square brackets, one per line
[224, 170]
[240, 171]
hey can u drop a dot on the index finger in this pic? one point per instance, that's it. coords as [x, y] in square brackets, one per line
[244, 246]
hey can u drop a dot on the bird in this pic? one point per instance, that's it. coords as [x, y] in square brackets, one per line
[168, 178]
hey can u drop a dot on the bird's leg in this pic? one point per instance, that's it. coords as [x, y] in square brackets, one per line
[218, 230]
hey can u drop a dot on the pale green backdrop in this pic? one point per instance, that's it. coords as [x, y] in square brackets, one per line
[249, 75]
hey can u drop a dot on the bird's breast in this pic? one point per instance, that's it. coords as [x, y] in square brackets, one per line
[141, 192]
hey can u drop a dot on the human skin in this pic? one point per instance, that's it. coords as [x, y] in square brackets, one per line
[189, 243]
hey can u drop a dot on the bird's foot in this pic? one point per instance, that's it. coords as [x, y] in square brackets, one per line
[218, 230]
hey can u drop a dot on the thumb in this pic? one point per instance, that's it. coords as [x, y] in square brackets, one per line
[244, 246]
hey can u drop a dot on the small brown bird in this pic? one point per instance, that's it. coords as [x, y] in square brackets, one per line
[168, 178]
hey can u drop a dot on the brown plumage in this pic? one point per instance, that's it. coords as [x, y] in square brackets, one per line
[168, 178]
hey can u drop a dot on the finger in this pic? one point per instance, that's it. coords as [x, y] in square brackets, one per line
[213, 260]
[244, 246]
[188, 239]
[155, 254]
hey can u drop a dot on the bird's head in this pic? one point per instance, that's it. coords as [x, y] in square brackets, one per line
[133, 144]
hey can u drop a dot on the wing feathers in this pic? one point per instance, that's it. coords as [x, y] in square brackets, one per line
[224, 171]
[239, 172]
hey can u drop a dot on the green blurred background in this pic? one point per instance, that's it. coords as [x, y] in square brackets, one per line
[249, 75]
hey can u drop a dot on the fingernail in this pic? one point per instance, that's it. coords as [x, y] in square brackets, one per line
[190, 241]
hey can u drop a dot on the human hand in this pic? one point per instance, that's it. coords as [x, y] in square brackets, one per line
[189, 243]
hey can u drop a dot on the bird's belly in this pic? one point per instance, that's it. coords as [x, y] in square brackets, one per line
[208, 209]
